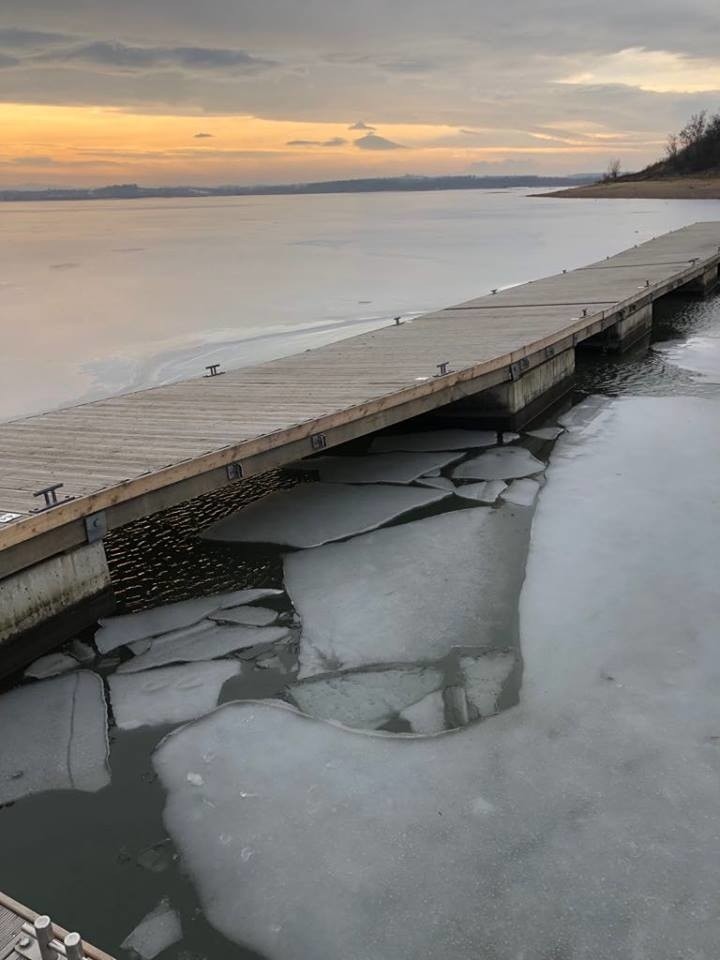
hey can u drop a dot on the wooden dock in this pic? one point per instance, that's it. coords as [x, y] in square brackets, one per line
[132, 455]
[26, 935]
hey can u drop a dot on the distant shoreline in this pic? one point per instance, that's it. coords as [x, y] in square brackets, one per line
[133, 191]
[668, 188]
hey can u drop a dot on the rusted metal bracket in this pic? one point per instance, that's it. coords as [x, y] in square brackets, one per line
[96, 526]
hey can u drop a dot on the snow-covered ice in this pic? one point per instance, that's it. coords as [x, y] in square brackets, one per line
[504, 463]
[249, 616]
[168, 694]
[205, 641]
[484, 678]
[406, 593]
[156, 932]
[521, 492]
[487, 491]
[582, 823]
[426, 715]
[53, 736]
[434, 440]
[365, 699]
[315, 513]
[546, 433]
[378, 468]
[117, 631]
[50, 665]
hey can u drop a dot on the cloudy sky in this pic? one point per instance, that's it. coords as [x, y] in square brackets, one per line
[246, 91]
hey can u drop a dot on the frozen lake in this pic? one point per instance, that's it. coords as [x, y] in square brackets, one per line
[504, 656]
[108, 296]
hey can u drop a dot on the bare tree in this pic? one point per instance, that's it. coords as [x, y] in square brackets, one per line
[694, 129]
[671, 147]
[613, 170]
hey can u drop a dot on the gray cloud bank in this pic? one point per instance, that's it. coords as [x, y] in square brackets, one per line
[476, 65]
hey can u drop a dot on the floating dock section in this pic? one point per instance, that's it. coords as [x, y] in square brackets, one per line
[70, 476]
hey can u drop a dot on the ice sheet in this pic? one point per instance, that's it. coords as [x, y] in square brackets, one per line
[378, 468]
[546, 433]
[698, 354]
[365, 699]
[581, 824]
[206, 641]
[168, 694]
[249, 616]
[427, 715]
[51, 666]
[505, 463]
[156, 932]
[118, 631]
[403, 594]
[521, 492]
[487, 491]
[315, 513]
[437, 483]
[484, 678]
[53, 736]
[434, 440]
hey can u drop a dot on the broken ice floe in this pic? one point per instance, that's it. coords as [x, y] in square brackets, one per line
[51, 665]
[505, 463]
[118, 631]
[204, 641]
[521, 492]
[553, 830]
[248, 616]
[483, 680]
[168, 694]
[434, 440]
[510, 437]
[365, 699]
[437, 483]
[315, 513]
[157, 931]
[407, 593]
[54, 736]
[546, 433]
[378, 468]
[487, 491]
[426, 715]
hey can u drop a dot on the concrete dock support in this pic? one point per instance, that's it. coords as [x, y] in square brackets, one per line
[702, 285]
[631, 327]
[50, 588]
[511, 405]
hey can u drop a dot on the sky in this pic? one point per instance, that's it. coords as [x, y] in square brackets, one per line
[164, 92]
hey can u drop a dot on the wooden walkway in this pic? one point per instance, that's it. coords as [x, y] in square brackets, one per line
[132, 455]
[18, 936]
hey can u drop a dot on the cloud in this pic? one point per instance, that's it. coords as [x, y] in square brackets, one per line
[131, 58]
[15, 37]
[658, 71]
[8, 61]
[371, 141]
[202, 136]
[332, 142]
[32, 161]
[361, 125]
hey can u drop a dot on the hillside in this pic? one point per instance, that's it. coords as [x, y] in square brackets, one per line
[690, 168]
